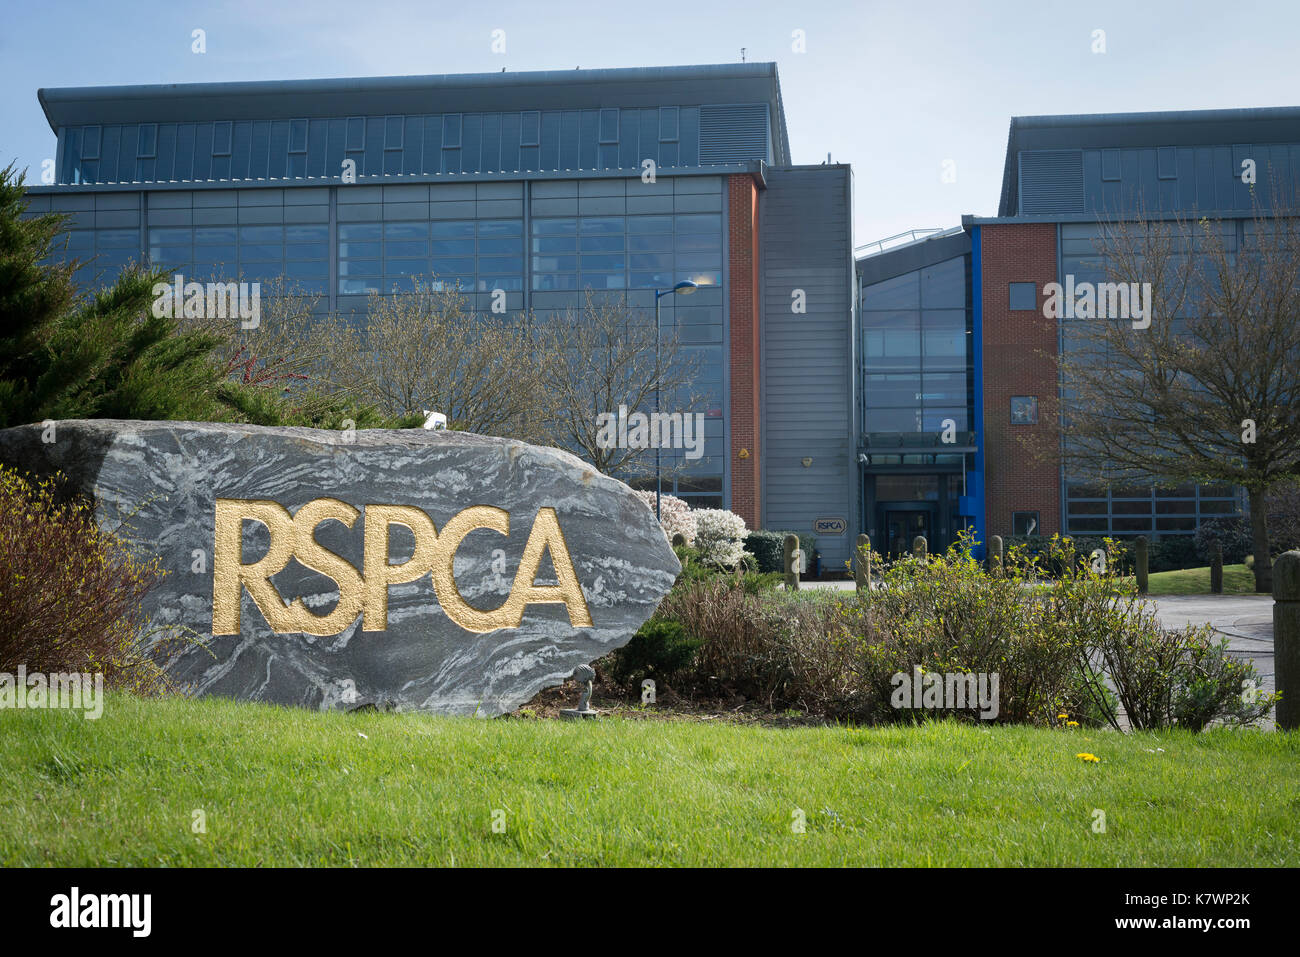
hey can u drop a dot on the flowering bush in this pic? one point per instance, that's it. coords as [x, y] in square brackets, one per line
[674, 515]
[720, 536]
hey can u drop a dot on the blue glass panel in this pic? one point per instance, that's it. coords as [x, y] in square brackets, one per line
[569, 151]
[307, 270]
[317, 135]
[412, 144]
[302, 234]
[108, 164]
[451, 266]
[588, 133]
[306, 251]
[491, 153]
[432, 161]
[407, 248]
[629, 139]
[453, 247]
[510, 142]
[499, 246]
[689, 144]
[361, 231]
[549, 154]
[374, 163]
[336, 147]
[452, 228]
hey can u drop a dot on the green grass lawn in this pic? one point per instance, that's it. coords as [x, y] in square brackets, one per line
[1237, 580]
[290, 787]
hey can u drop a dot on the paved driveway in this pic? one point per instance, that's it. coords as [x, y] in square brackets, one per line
[1245, 620]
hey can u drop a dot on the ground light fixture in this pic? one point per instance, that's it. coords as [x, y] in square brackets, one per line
[683, 288]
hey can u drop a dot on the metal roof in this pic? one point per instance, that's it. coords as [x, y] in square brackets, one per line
[724, 83]
[1132, 130]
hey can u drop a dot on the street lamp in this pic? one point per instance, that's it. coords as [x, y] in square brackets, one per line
[685, 288]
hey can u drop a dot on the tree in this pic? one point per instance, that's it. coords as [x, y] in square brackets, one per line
[603, 357]
[1209, 391]
[66, 354]
[426, 348]
[63, 355]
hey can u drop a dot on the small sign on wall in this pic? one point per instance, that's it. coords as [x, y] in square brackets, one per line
[830, 526]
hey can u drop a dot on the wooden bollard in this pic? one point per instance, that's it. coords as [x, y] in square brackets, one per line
[1142, 556]
[862, 564]
[1286, 637]
[791, 555]
[1216, 569]
[919, 547]
[995, 555]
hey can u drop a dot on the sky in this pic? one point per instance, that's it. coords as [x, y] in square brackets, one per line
[916, 96]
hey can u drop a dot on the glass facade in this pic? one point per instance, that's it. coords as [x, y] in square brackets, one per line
[916, 360]
[916, 386]
[439, 143]
[1141, 509]
[299, 253]
[544, 245]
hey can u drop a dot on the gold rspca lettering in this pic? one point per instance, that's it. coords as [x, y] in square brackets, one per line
[365, 593]
[229, 573]
[380, 574]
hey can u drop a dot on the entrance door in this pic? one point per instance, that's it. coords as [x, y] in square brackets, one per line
[902, 526]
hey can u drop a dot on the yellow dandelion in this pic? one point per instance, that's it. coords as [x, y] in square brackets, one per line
[1062, 717]
[1071, 724]
[1085, 756]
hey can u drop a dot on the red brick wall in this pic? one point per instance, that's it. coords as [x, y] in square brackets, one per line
[742, 245]
[1022, 462]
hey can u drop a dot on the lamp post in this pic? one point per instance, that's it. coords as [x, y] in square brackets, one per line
[685, 288]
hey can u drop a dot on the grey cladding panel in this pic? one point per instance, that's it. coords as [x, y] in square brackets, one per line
[805, 244]
[732, 134]
[1051, 181]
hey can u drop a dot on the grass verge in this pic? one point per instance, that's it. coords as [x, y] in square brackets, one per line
[290, 787]
[1237, 580]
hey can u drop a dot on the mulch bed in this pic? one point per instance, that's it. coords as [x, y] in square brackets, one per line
[610, 699]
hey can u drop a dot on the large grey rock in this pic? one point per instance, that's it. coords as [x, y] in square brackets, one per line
[166, 478]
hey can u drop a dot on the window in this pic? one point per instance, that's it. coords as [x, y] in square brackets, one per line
[392, 132]
[355, 137]
[530, 128]
[1022, 297]
[147, 141]
[1024, 410]
[221, 136]
[609, 126]
[451, 131]
[668, 124]
[90, 143]
[1167, 162]
[298, 136]
[1110, 166]
[1024, 523]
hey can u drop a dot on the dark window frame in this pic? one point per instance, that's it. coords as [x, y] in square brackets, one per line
[1016, 516]
[1011, 412]
[1011, 296]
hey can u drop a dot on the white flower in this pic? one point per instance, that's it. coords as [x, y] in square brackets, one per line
[674, 515]
[720, 536]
